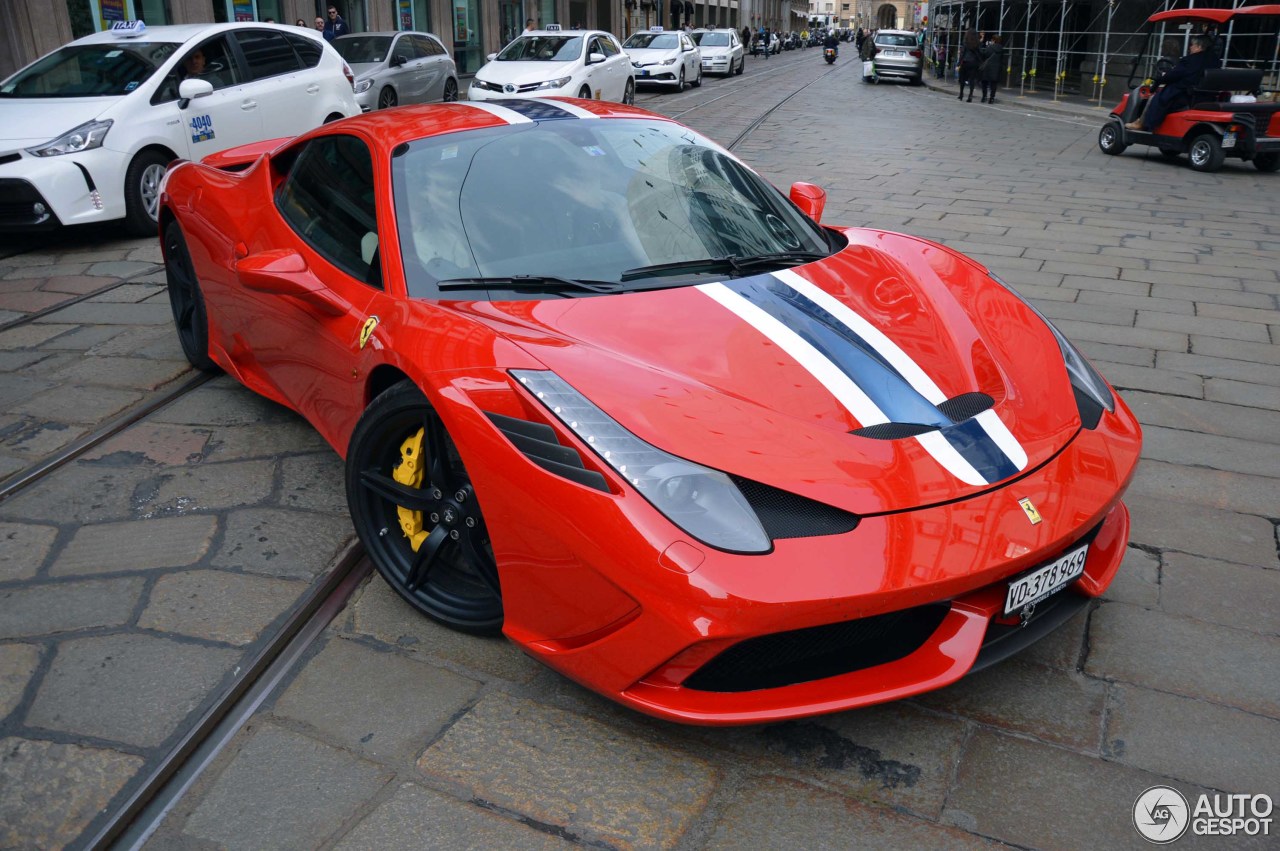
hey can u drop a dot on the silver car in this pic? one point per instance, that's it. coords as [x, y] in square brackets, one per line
[898, 54]
[398, 67]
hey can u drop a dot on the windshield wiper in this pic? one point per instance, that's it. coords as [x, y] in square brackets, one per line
[731, 263]
[538, 282]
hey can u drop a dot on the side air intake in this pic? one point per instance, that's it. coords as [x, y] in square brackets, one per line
[538, 443]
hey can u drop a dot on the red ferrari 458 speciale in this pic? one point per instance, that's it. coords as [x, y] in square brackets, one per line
[601, 387]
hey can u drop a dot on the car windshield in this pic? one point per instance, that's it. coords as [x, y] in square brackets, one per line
[907, 40]
[109, 69]
[711, 39]
[542, 48]
[653, 41]
[590, 200]
[363, 48]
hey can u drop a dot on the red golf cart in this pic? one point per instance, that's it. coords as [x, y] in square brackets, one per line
[1230, 114]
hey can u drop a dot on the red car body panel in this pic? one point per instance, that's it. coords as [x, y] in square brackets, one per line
[602, 586]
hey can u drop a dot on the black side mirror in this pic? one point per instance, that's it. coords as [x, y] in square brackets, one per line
[398, 60]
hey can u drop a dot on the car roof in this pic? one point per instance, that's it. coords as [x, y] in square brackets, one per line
[187, 32]
[561, 32]
[894, 32]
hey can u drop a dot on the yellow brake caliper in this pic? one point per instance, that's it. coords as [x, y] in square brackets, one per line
[410, 473]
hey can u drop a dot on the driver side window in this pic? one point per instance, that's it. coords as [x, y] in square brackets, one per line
[328, 199]
[211, 60]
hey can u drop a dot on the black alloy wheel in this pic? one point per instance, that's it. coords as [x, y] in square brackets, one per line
[450, 90]
[387, 98]
[416, 513]
[697, 82]
[186, 300]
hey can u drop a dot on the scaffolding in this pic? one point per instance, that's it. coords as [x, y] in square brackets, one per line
[1070, 47]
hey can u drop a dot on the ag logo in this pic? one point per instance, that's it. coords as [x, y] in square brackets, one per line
[1161, 814]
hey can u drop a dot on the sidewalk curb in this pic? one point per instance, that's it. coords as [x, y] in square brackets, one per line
[1037, 101]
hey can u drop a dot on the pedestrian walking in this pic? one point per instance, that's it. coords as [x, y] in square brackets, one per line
[970, 60]
[989, 70]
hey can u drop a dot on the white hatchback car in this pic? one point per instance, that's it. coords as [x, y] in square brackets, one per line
[87, 130]
[722, 51]
[665, 58]
[543, 63]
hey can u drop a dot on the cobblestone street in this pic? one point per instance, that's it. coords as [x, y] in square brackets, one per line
[137, 580]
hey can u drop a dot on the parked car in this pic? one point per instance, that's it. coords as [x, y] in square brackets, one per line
[394, 68]
[899, 55]
[722, 51]
[87, 130]
[1227, 115]
[602, 387]
[575, 63]
[665, 58]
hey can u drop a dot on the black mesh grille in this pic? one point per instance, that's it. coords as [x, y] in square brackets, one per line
[966, 406]
[892, 431]
[10, 158]
[803, 655]
[786, 515]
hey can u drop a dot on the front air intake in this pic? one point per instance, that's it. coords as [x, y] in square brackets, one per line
[538, 443]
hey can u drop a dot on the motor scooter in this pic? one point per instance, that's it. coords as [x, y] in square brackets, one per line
[829, 54]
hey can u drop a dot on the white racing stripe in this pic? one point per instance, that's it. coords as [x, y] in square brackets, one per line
[571, 108]
[908, 369]
[828, 374]
[508, 115]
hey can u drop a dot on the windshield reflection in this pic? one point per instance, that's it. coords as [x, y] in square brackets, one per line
[583, 199]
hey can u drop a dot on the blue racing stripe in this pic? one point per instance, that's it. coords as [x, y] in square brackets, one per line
[838, 343]
[971, 440]
[535, 110]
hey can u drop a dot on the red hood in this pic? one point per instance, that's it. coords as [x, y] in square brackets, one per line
[685, 372]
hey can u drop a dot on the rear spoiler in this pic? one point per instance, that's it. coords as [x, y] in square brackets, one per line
[237, 159]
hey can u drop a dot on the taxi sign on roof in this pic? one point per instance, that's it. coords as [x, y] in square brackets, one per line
[656, 29]
[553, 28]
[128, 29]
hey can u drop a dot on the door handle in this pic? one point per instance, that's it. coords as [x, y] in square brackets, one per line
[240, 251]
[248, 105]
[313, 88]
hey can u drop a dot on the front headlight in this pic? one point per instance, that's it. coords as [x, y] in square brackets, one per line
[86, 137]
[703, 502]
[363, 86]
[1084, 377]
[554, 84]
[670, 61]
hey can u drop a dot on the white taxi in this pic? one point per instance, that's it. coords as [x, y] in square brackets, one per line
[665, 58]
[542, 63]
[87, 130]
[722, 51]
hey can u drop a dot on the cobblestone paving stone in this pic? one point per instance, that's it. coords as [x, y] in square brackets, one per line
[398, 732]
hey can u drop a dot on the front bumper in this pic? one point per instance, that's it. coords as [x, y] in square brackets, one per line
[658, 75]
[717, 65]
[73, 189]
[476, 93]
[602, 588]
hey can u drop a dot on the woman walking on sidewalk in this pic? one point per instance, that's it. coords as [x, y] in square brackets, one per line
[989, 71]
[970, 59]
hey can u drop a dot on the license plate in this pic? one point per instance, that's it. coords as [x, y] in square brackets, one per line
[644, 73]
[1041, 583]
[894, 53]
[1228, 140]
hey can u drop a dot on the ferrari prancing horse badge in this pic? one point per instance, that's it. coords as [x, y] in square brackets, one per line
[367, 331]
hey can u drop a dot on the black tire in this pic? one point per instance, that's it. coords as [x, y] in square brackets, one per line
[186, 300]
[142, 193]
[1111, 138]
[387, 98]
[451, 575]
[629, 93]
[1170, 154]
[742, 65]
[680, 84]
[1267, 162]
[450, 90]
[697, 82]
[584, 93]
[1205, 152]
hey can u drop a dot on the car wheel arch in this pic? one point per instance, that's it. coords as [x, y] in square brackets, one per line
[383, 377]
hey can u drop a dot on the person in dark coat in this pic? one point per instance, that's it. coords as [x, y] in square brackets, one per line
[989, 70]
[969, 60]
[1176, 85]
[335, 26]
